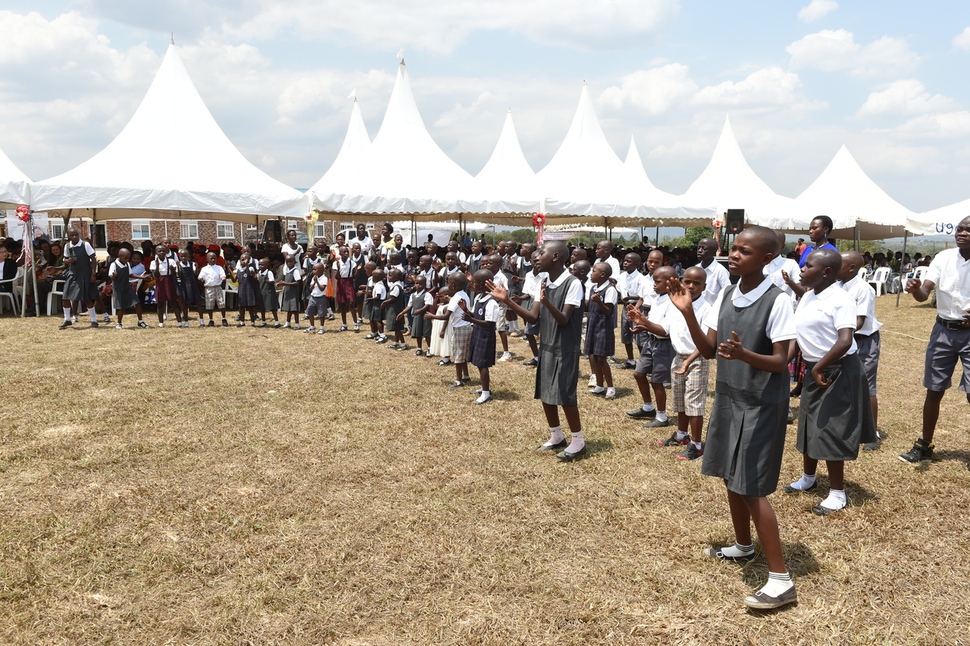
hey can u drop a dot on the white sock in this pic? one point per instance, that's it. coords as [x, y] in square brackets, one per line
[661, 416]
[94, 315]
[555, 435]
[697, 445]
[648, 407]
[803, 483]
[737, 550]
[576, 442]
[778, 584]
[67, 313]
[836, 500]
[681, 435]
[598, 389]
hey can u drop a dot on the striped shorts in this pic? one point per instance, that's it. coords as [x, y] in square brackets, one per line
[689, 392]
[459, 343]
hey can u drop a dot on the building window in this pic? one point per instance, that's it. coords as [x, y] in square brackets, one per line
[319, 230]
[189, 230]
[225, 230]
[346, 225]
[141, 230]
[292, 225]
[57, 231]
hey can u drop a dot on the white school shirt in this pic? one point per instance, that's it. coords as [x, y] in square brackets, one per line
[455, 309]
[781, 264]
[717, 279]
[345, 269]
[82, 245]
[530, 286]
[647, 291]
[492, 309]
[501, 280]
[297, 274]
[378, 291]
[614, 265]
[630, 284]
[819, 318]
[660, 313]
[319, 286]
[575, 294]
[680, 336]
[115, 266]
[607, 292]
[394, 289]
[296, 252]
[950, 272]
[445, 272]
[267, 275]
[781, 319]
[865, 304]
[164, 268]
[212, 275]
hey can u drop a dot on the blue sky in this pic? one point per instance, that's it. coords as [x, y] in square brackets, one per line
[799, 79]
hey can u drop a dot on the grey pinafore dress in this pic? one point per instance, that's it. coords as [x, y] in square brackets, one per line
[746, 434]
[558, 371]
[291, 293]
[123, 297]
[833, 421]
[77, 276]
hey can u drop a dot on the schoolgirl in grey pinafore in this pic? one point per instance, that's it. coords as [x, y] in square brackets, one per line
[77, 276]
[834, 421]
[474, 263]
[123, 297]
[481, 346]
[248, 288]
[558, 371]
[267, 291]
[600, 339]
[419, 327]
[746, 433]
[392, 309]
[189, 285]
[291, 293]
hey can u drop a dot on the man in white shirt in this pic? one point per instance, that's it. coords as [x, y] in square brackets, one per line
[781, 267]
[717, 276]
[949, 274]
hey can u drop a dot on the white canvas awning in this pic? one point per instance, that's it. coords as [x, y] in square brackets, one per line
[941, 221]
[856, 204]
[14, 185]
[172, 158]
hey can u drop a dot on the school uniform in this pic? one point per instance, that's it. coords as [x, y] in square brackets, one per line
[774, 269]
[600, 339]
[460, 328]
[657, 353]
[267, 288]
[530, 289]
[481, 345]
[189, 284]
[344, 289]
[689, 391]
[369, 311]
[439, 346]
[718, 278]
[166, 290]
[558, 370]
[291, 293]
[307, 269]
[746, 432]
[212, 277]
[630, 285]
[866, 337]
[77, 276]
[648, 297]
[474, 263]
[501, 280]
[248, 288]
[832, 421]
[395, 291]
[317, 303]
[296, 252]
[950, 337]
[123, 297]
[419, 326]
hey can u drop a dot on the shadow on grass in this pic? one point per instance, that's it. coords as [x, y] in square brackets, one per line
[798, 557]
[599, 446]
[960, 456]
[506, 395]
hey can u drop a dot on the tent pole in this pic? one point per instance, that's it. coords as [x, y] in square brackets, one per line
[656, 237]
[902, 285]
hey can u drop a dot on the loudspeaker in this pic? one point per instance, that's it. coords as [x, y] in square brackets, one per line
[272, 231]
[734, 221]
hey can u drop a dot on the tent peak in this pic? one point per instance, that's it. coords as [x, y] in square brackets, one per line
[172, 40]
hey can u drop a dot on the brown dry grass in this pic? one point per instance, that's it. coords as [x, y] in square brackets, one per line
[247, 486]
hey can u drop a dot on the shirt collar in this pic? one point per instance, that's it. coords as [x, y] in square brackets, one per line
[739, 298]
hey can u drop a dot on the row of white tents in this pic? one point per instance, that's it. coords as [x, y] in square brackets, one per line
[172, 160]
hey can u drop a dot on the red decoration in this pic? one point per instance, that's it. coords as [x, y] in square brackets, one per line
[23, 214]
[538, 220]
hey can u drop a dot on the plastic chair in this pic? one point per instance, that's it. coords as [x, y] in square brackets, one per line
[230, 289]
[57, 289]
[135, 284]
[878, 280]
[12, 294]
[918, 275]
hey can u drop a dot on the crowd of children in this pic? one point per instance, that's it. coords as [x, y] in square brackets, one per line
[810, 313]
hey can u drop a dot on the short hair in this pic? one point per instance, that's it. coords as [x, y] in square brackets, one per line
[605, 267]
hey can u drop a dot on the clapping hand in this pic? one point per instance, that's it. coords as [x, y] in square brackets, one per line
[732, 348]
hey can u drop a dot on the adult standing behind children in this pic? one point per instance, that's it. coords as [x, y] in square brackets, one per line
[949, 274]
[717, 276]
[818, 230]
[750, 328]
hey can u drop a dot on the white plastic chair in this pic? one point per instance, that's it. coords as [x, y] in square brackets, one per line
[918, 275]
[12, 294]
[135, 284]
[878, 280]
[230, 289]
[57, 289]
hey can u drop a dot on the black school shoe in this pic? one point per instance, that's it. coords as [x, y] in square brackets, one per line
[922, 451]
[566, 456]
[639, 413]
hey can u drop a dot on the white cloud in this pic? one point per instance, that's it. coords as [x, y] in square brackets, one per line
[906, 97]
[653, 91]
[948, 125]
[836, 51]
[817, 9]
[772, 86]
[962, 40]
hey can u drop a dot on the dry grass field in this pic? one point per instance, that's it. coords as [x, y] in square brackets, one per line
[248, 486]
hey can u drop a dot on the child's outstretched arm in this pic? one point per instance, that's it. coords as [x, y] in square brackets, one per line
[835, 353]
[637, 317]
[501, 294]
[706, 342]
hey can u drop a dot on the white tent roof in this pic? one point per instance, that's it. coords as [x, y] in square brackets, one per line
[507, 183]
[172, 156]
[847, 195]
[941, 221]
[348, 161]
[728, 182]
[403, 170]
[14, 185]
[672, 210]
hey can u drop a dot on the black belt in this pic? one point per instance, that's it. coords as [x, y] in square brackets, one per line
[952, 325]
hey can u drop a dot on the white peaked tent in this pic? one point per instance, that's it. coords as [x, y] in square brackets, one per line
[171, 157]
[671, 209]
[728, 182]
[349, 159]
[14, 185]
[941, 221]
[402, 172]
[857, 206]
[506, 185]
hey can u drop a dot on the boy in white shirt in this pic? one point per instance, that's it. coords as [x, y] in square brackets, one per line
[317, 306]
[653, 367]
[630, 286]
[717, 276]
[211, 278]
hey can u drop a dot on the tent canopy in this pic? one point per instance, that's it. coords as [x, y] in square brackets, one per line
[728, 182]
[14, 185]
[941, 221]
[349, 159]
[171, 157]
[854, 202]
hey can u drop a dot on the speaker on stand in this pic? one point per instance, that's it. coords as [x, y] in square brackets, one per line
[734, 223]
